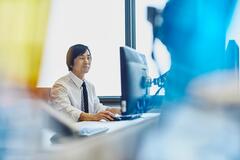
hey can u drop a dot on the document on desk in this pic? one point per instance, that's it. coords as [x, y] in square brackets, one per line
[90, 131]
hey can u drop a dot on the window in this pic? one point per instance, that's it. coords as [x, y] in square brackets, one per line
[144, 39]
[97, 24]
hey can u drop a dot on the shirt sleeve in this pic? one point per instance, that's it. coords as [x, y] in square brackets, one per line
[98, 107]
[60, 100]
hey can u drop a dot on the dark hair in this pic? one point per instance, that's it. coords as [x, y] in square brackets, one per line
[73, 52]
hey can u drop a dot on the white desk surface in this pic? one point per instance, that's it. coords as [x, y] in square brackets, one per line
[116, 125]
[119, 142]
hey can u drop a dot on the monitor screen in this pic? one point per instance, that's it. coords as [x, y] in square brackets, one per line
[134, 71]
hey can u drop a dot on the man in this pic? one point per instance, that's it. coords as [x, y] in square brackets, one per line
[74, 95]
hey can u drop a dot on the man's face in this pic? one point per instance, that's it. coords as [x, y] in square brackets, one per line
[81, 63]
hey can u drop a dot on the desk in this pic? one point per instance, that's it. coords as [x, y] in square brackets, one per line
[118, 143]
[115, 126]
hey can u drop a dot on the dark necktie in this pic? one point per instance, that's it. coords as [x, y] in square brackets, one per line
[85, 97]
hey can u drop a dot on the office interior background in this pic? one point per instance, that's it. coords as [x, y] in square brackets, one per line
[63, 23]
[35, 36]
[104, 33]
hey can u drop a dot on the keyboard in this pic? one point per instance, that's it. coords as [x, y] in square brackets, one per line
[126, 117]
[89, 131]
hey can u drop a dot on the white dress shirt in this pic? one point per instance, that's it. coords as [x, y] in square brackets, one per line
[66, 96]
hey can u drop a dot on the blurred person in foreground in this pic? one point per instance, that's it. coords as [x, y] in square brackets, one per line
[67, 94]
[200, 118]
[22, 116]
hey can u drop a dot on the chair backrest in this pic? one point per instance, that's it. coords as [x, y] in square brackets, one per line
[42, 93]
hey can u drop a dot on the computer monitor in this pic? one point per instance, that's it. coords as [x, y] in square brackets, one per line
[134, 71]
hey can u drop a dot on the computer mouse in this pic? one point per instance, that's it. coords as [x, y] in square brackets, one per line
[103, 120]
[117, 115]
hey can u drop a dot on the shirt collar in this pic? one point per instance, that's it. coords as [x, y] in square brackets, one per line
[75, 79]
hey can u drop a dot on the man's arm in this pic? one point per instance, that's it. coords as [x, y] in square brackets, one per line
[60, 100]
[114, 110]
[98, 106]
[106, 115]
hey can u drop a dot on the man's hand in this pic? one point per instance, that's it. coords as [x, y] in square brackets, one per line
[107, 115]
[114, 110]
